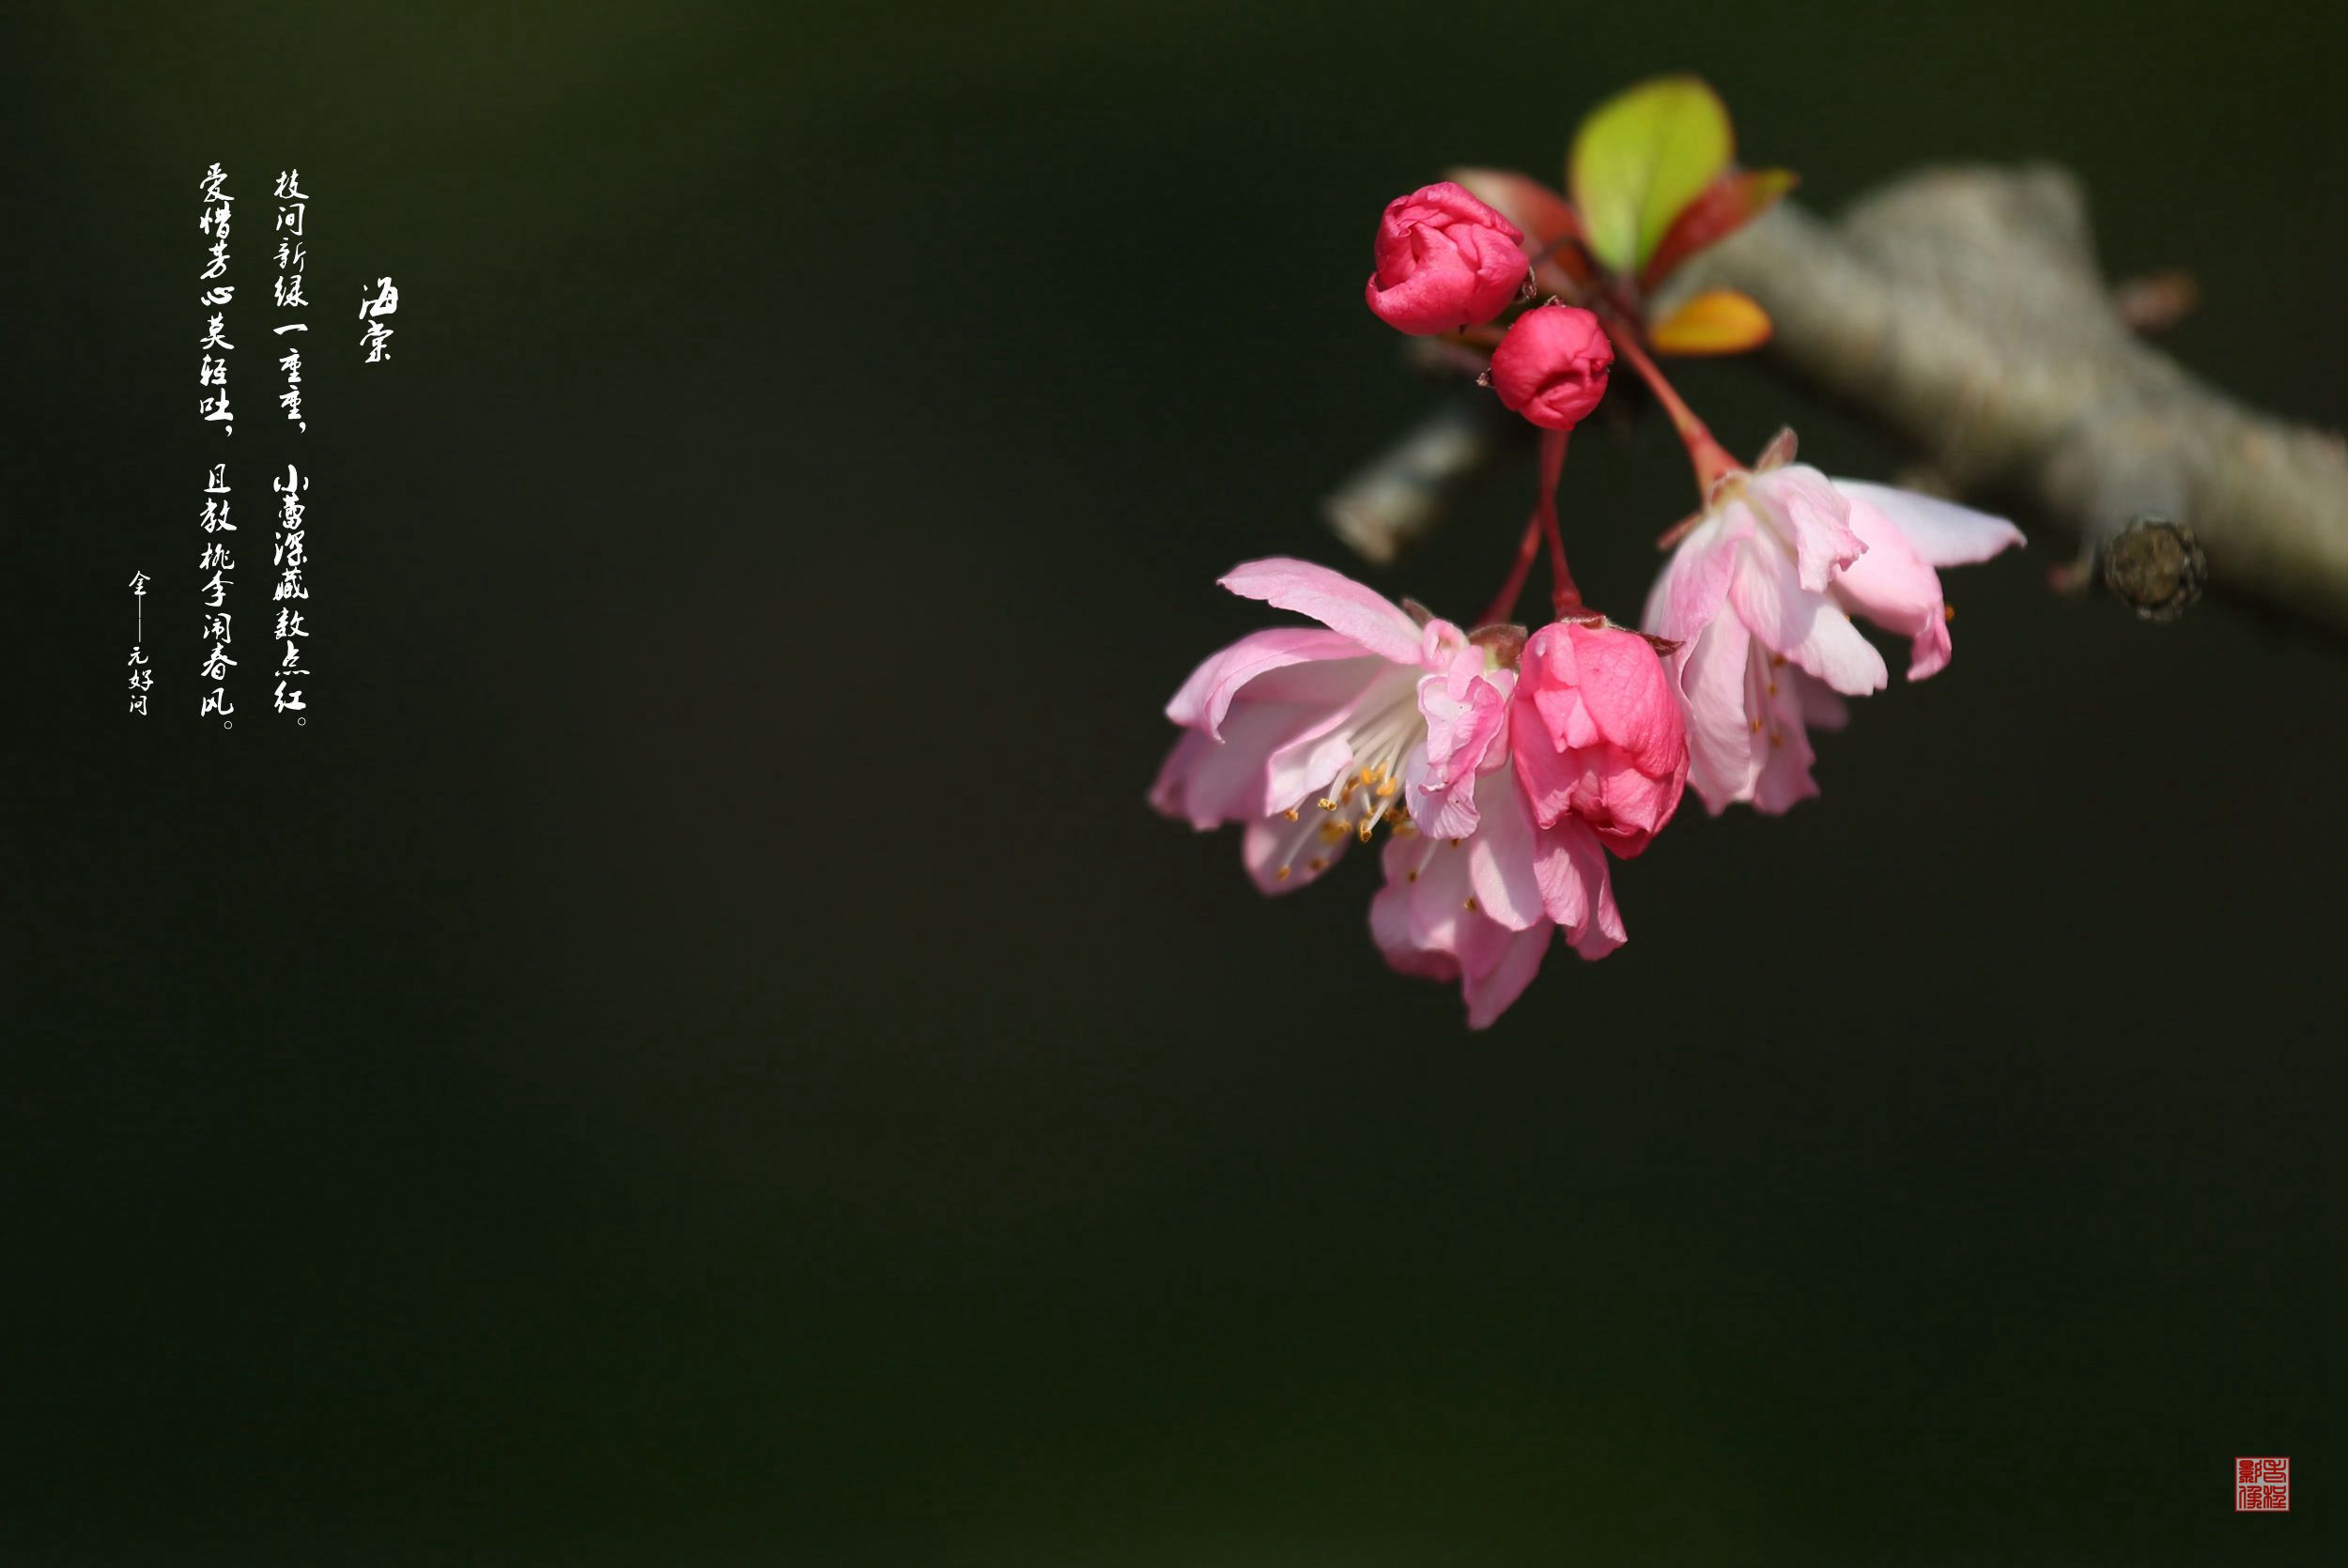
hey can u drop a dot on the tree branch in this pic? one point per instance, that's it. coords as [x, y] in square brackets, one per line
[1962, 310]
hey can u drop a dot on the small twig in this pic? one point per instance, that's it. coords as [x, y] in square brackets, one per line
[1402, 493]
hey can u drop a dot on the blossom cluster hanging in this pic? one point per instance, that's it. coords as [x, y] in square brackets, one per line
[1509, 767]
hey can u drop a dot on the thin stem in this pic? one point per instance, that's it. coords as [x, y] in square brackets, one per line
[1566, 597]
[1504, 604]
[1711, 458]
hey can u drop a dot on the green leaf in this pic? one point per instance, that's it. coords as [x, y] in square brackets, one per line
[1639, 157]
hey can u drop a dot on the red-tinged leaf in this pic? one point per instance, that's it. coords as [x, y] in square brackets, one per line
[1726, 206]
[1550, 223]
[1544, 215]
[1718, 321]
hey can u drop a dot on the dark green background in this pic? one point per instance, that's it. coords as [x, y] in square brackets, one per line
[699, 1052]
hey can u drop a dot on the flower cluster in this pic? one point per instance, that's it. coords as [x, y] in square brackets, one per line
[1507, 766]
[1503, 768]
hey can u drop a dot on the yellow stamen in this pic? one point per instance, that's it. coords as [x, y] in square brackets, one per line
[1290, 813]
[1282, 874]
[1318, 864]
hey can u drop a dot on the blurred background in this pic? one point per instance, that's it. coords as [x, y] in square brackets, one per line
[699, 1052]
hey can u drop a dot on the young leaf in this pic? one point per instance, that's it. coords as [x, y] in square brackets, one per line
[1728, 203]
[1639, 157]
[1718, 321]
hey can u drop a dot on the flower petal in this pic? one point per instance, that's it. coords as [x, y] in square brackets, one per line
[1494, 991]
[1207, 696]
[1694, 584]
[1210, 783]
[1892, 586]
[1722, 758]
[1941, 532]
[1466, 712]
[1169, 794]
[1605, 931]
[1500, 856]
[1806, 627]
[1443, 807]
[1336, 602]
[1785, 778]
[1629, 696]
[1780, 744]
[1437, 881]
[1821, 709]
[1300, 771]
[1817, 518]
[1576, 889]
[1390, 928]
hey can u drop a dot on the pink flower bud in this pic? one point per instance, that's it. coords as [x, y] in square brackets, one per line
[1552, 366]
[1446, 261]
[1597, 733]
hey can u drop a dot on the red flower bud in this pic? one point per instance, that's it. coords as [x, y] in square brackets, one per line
[1552, 366]
[1446, 261]
[1598, 733]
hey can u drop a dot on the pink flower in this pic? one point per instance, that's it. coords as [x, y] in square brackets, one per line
[1599, 732]
[1444, 261]
[1551, 365]
[1599, 755]
[1482, 910]
[1313, 737]
[1760, 597]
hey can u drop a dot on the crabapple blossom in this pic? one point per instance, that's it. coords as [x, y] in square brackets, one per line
[1551, 365]
[1446, 261]
[1597, 754]
[1482, 910]
[1312, 736]
[1760, 594]
[1598, 733]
